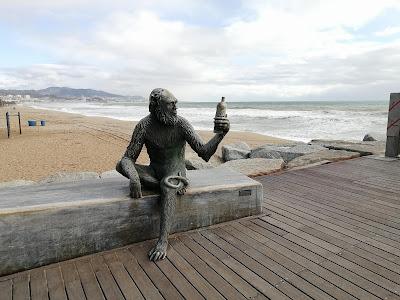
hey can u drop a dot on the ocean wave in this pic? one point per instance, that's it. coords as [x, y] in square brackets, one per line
[296, 123]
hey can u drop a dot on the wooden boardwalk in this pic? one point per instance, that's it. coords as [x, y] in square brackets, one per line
[328, 232]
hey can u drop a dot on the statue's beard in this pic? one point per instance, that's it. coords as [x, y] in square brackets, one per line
[165, 117]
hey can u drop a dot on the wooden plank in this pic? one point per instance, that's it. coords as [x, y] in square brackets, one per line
[213, 280]
[303, 247]
[72, 281]
[278, 244]
[301, 220]
[330, 200]
[145, 285]
[359, 275]
[254, 279]
[166, 288]
[332, 209]
[332, 224]
[121, 276]
[261, 253]
[345, 198]
[332, 275]
[332, 215]
[88, 279]
[221, 238]
[350, 186]
[178, 280]
[6, 290]
[38, 284]
[359, 194]
[368, 256]
[184, 287]
[373, 249]
[205, 288]
[105, 278]
[309, 237]
[55, 283]
[351, 236]
[21, 287]
[230, 276]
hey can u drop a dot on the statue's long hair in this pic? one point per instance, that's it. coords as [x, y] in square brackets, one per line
[154, 99]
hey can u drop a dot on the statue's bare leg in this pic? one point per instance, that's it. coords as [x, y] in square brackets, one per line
[146, 174]
[168, 203]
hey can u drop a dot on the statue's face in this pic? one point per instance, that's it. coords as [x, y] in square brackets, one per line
[166, 111]
[168, 103]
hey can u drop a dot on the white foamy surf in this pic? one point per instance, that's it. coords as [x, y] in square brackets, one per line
[300, 121]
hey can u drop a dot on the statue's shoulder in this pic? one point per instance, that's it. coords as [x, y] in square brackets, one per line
[143, 123]
[182, 121]
[185, 126]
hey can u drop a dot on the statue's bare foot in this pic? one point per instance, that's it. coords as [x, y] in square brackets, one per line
[159, 251]
[182, 190]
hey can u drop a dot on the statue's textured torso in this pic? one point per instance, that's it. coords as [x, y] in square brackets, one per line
[166, 148]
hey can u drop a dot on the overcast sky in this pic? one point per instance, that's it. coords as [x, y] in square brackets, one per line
[200, 50]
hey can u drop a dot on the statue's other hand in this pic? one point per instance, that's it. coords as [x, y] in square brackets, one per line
[222, 124]
[136, 189]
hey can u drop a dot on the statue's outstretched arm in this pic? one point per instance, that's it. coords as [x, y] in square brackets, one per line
[204, 150]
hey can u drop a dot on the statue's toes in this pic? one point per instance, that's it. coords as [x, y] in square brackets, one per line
[182, 191]
[157, 254]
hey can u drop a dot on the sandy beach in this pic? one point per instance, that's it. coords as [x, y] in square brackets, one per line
[73, 143]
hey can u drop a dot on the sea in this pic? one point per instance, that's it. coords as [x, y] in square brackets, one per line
[294, 120]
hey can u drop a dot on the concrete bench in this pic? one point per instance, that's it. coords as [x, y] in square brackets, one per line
[42, 224]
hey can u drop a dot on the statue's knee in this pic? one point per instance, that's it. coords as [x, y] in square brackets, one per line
[120, 170]
[118, 167]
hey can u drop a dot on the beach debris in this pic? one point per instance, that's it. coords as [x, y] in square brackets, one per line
[324, 155]
[368, 138]
[239, 150]
[255, 166]
[69, 177]
[364, 148]
[197, 164]
[287, 153]
[110, 174]
[15, 183]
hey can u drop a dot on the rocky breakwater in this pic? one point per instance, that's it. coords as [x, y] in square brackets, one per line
[271, 158]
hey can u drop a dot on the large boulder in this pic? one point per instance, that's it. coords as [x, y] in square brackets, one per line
[364, 148]
[69, 177]
[286, 152]
[368, 138]
[324, 155]
[235, 151]
[255, 166]
[196, 163]
[265, 152]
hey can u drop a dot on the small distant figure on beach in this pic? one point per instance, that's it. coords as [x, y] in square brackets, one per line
[164, 133]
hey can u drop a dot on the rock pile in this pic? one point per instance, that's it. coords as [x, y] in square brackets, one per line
[271, 158]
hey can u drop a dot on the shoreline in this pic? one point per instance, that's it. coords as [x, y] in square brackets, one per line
[72, 142]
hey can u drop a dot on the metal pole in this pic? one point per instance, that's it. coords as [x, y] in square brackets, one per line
[8, 124]
[19, 121]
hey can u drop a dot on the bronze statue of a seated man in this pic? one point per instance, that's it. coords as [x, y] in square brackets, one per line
[165, 134]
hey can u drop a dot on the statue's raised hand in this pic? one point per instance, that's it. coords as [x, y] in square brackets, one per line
[136, 189]
[221, 124]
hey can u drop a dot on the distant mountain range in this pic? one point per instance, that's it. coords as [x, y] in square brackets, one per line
[65, 92]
